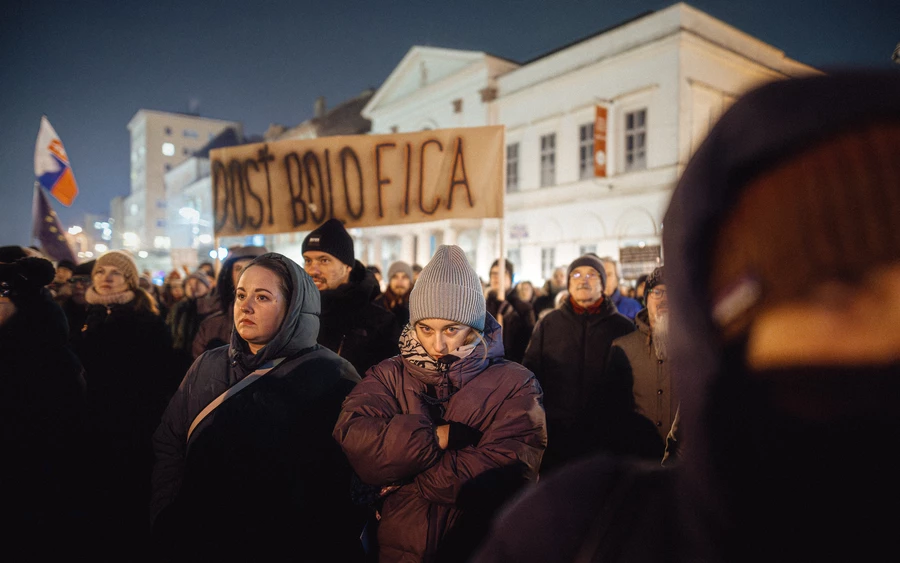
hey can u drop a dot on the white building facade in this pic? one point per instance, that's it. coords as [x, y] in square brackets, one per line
[663, 79]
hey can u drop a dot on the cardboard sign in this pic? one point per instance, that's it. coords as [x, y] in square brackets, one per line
[600, 142]
[364, 180]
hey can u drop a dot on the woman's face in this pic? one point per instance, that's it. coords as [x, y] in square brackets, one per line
[439, 337]
[109, 280]
[259, 306]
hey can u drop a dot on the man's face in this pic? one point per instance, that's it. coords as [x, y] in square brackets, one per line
[195, 288]
[585, 285]
[559, 278]
[400, 283]
[237, 268]
[62, 275]
[612, 279]
[657, 303]
[495, 279]
[79, 284]
[326, 271]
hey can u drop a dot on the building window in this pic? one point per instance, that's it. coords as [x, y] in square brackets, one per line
[190, 134]
[586, 151]
[636, 140]
[587, 249]
[514, 255]
[457, 105]
[168, 149]
[512, 167]
[548, 160]
[548, 261]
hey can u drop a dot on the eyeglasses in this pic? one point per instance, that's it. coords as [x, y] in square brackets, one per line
[588, 276]
[79, 279]
[657, 293]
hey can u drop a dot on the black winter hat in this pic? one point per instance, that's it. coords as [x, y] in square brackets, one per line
[655, 278]
[591, 260]
[332, 238]
[24, 278]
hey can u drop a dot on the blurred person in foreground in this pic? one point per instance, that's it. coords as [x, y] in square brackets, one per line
[448, 430]
[783, 249]
[257, 477]
[42, 415]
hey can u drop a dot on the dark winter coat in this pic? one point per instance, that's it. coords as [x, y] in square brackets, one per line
[131, 373]
[42, 432]
[184, 319]
[261, 478]
[736, 494]
[633, 357]
[389, 437]
[518, 322]
[353, 326]
[568, 353]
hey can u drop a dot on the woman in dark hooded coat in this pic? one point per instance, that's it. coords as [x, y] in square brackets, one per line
[42, 412]
[259, 477]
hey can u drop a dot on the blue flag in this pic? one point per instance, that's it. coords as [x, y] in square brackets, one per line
[47, 229]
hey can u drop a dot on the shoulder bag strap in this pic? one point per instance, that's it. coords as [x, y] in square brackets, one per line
[231, 392]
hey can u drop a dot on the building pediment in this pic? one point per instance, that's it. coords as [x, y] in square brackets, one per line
[419, 69]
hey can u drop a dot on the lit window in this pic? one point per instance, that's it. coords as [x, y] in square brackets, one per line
[636, 140]
[190, 134]
[162, 242]
[548, 160]
[168, 149]
[586, 151]
[548, 261]
[512, 167]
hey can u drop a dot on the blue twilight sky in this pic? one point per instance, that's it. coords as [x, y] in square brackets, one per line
[91, 65]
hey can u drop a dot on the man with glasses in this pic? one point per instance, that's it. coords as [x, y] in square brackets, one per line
[568, 353]
[641, 357]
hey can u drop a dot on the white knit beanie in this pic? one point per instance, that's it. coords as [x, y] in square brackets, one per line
[448, 288]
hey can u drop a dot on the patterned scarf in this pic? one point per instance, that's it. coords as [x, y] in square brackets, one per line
[414, 352]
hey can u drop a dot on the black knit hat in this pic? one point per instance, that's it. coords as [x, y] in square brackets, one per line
[24, 278]
[589, 260]
[655, 278]
[332, 238]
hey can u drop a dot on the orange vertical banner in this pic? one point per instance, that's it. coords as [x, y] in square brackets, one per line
[600, 142]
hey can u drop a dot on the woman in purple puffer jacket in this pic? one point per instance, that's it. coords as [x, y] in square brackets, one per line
[447, 431]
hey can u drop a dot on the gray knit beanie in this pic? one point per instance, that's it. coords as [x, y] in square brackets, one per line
[400, 267]
[448, 288]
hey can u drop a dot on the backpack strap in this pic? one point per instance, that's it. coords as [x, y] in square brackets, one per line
[231, 392]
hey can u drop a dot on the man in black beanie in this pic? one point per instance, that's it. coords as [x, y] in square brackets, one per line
[350, 323]
[568, 354]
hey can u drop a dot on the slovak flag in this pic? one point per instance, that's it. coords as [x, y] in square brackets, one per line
[51, 165]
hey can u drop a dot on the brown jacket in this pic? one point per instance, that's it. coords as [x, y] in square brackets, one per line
[388, 435]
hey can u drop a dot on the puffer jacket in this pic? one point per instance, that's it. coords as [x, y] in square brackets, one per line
[264, 460]
[388, 435]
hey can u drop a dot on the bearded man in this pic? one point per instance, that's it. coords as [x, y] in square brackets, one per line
[640, 357]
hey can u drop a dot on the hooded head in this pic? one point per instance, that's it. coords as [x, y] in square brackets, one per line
[790, 203]
[225, 281]
[300, 327]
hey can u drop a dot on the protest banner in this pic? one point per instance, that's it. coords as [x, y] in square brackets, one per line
[364, 180]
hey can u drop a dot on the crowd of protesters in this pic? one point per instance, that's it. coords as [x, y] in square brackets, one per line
[315, 410]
